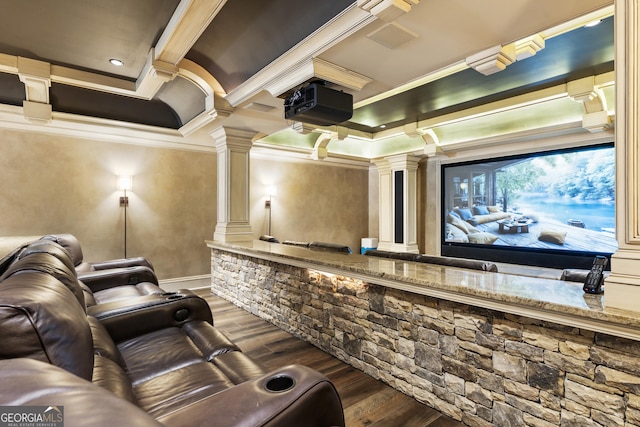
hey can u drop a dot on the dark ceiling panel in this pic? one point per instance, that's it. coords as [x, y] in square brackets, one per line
[579, 53]
[12, 90]
[249, 34]
[84, 34]
[71, 99]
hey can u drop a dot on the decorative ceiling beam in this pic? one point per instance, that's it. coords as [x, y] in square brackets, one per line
[36, 76]
[582, 90]
[339, 75]
[199, 75]
[596, 117]
[411, 130]
[93, 81]
[321, 69]
[277, 76]
[492, 60]
[154, 74]
[320, 147]
[596, 122]
[387, 10]
[303, 128]
[188, 22]
[528, 47]
[431, 143]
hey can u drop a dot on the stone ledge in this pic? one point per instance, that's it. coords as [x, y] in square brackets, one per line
[539, 298]
[480, 366]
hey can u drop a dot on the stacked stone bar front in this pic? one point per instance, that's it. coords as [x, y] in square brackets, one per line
[480, 366]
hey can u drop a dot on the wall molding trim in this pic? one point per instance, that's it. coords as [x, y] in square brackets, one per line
[269, 152]
[96, 129]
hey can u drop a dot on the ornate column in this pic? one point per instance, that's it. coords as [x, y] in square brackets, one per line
[232, 149]
[384, 202]
[622, 288]
[398, 180]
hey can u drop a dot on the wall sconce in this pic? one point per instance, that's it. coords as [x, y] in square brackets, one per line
[125, 182]
[271, 191]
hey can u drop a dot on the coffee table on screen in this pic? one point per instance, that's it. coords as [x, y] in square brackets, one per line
[508, 226]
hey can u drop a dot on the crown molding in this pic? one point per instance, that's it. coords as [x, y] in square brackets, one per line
[277, 76]
[64, 124]
[297, 155]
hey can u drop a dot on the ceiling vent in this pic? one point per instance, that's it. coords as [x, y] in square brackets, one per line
[392, 35]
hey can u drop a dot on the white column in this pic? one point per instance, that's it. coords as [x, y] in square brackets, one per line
[232, 149]
[398, 203]
[622, 288]
[385, 205]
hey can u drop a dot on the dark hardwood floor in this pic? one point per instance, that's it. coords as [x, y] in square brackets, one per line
[366, 401]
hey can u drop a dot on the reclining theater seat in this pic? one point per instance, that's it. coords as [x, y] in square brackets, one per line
[160, 355]
[28, 382]
[109, 280]
[72, 245]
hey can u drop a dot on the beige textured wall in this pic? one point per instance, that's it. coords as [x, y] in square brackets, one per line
[58, 184]
[314, 201]
[55, 184]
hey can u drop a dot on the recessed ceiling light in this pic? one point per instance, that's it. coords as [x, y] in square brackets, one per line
[383, 126]
[116, 62]
[593, 23]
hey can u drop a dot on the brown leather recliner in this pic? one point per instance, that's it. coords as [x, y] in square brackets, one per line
[102, 281]
[160, 353]
[28, 382]
[110, 280]
[72, 245]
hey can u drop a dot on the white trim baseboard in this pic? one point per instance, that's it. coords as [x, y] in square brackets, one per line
[191, 282]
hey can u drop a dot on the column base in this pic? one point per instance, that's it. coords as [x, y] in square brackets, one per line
[398, 247]
[622, 286]
[233, 233]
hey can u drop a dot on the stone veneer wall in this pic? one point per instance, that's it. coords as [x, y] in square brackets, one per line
[476, 365]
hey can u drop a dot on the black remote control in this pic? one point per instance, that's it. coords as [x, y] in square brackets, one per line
[595, 279]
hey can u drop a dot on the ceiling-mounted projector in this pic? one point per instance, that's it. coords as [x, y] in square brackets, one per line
[318, 105]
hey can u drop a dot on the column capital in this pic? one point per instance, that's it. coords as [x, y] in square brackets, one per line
[382, 164]
[226, 137]
[403, 162]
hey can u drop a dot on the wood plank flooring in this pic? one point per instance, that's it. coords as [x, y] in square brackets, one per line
[366, 401]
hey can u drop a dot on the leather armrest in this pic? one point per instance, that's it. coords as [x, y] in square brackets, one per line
[123, 262]
[311, 401]
[129, 318]
[28, 382]
[105, 279]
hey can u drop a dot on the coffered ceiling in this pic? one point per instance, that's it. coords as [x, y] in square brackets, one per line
[414, 68]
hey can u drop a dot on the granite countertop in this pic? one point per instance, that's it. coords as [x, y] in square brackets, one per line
[541, 298]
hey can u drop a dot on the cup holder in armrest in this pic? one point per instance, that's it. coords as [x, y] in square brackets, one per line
[172, 295]
[182, 315]
[280, 383]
